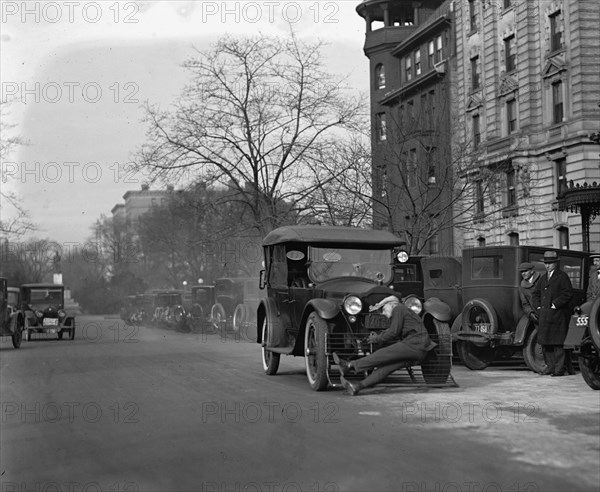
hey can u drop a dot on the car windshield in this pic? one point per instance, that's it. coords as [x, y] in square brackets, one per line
[13, 298]
[329, 263]
[43, 298]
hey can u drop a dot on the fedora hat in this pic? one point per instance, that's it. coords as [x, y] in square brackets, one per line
[594, 255]
[550, 257]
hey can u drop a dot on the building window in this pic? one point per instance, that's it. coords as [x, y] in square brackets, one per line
[472, 15]
[511, 116]
[380, 76]
[411, 168]
[381, 127]
[408, 68]
[563, 237]
[431, 53]
[511, 192]
[481, 242]
[438, 49]
[418, 62]
[479, 200]
[431, 108]
[556, 35]
[476, 131]
[507, 4]
[513, 239]
[474, 73]
[557, 102]
[509, 53]
[434, 244]
[410, 111]
[561, 176]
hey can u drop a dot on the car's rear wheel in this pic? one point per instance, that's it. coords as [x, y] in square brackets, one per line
[533, 354]
[270, 359]
[218, 317]
[72, 333]
[240, 317]
[315, 354]
[474, 357]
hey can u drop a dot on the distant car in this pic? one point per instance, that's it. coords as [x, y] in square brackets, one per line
[169, 311]
[12, 319]
[584, 338]
[202, 300]
[236, 301]
[492, 323]
[320, 282]
[44, 308]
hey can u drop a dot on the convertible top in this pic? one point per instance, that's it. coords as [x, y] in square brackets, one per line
[331, 235]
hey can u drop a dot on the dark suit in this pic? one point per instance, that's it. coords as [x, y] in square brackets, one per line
[551, 299]
[406, 340]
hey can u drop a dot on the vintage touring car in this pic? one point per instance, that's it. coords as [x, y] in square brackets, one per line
[44, 309]
[320, 282]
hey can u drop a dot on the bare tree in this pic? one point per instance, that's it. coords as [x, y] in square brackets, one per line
[258, 116]
[14, 218]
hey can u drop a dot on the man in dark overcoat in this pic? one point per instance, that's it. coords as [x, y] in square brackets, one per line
[551, 299]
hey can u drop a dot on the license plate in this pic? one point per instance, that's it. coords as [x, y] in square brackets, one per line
[50, 321]
[373, 322]
[482, 327]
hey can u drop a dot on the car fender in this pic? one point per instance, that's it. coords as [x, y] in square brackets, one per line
[325, 308]
[438, 309]
[594, 323]
[521, 330]
[277, 333]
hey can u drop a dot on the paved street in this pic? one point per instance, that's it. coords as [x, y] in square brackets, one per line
[145, 409]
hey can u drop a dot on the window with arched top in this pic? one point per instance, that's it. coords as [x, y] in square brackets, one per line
[380, 76]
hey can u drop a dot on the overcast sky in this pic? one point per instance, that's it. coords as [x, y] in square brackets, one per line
[77, 73]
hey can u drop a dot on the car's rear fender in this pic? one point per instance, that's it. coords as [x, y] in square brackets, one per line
[522, 330]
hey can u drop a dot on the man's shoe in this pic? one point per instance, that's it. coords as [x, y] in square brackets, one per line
[546, 372]
[353, 389]
[558, 374]
[342, 364]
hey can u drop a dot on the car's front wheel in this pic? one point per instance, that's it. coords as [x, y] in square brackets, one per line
[532, 353]
[270, 359]
[315, 354]
[218, 317]
[474, 357]
[17, 337]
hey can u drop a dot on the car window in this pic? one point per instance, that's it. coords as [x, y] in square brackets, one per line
[13, 298]
[43, 298]
[483, 267]
[329, 263]
[406, 273]
[278, 268]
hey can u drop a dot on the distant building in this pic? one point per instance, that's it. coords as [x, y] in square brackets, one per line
[137, 202]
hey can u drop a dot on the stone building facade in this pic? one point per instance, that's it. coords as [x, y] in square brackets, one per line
[515, 88]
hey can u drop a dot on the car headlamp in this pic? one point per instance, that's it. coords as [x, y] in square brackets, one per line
[402, 256]
[352, 305]
[414, 304]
